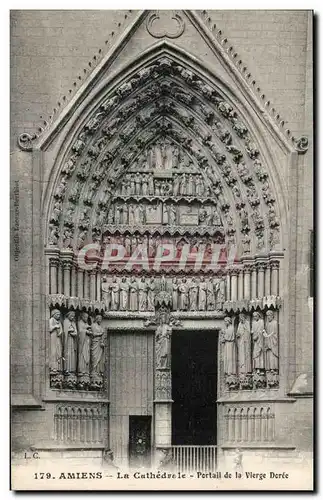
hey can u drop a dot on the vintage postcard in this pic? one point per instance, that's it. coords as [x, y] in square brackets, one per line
[162, 250]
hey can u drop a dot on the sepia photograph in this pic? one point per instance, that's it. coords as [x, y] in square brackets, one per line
[162, 250]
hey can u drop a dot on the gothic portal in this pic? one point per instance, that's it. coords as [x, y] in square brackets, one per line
[164, 223]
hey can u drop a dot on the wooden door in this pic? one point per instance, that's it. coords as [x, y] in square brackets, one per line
[139, 441]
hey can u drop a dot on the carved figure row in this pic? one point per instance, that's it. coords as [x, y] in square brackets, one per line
[141, 184]
[138, 294]
[77, 350]
[160, 213]
[250, 352]
[149, 244]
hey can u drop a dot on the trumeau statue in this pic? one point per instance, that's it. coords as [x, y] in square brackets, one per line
[163, 344]
[56, 341]
[70, 342]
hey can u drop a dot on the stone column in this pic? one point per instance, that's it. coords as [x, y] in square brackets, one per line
[67, 261]
[93, 278]
[87, 284]
[60, 288]
[267, 279]
[228, 287]
[53, 263]
[247, 282]
[261, 279]
[80, 283]
[93, 284]
[74, 279]
[253, 270]
[98, 284]
[240, 284]
[234, 284]
[274, 285]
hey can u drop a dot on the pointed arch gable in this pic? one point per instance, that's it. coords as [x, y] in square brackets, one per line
[113, 97]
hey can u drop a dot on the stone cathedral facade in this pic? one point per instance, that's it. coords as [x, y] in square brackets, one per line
[161, 308]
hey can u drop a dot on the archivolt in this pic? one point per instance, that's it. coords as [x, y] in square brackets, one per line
[164, 100]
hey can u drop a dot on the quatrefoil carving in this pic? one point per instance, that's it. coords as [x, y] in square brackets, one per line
[157, 21]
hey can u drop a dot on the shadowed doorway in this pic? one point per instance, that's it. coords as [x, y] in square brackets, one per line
[194, 385]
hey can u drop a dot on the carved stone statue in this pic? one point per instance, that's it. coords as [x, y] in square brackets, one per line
[61, 188]
[70, 342]
[257, 333]
[183, 295]
[175, 294]
[163, 343]
[56, 341]
[53, 235]
[142, 286]
[57, 210]
[183, 185]
[220, 293]
[97, 346]
[165, 214]
[229, 348]
[172, 215]
[85, 333]
[114, 294]
[151, 294]
[131, 218]
[133, 301]
[244, 346]
[271, 342]
[202, 294]
[124, 293]
[210, 296]
[176, 185]
[193, 292]
[151, 189]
